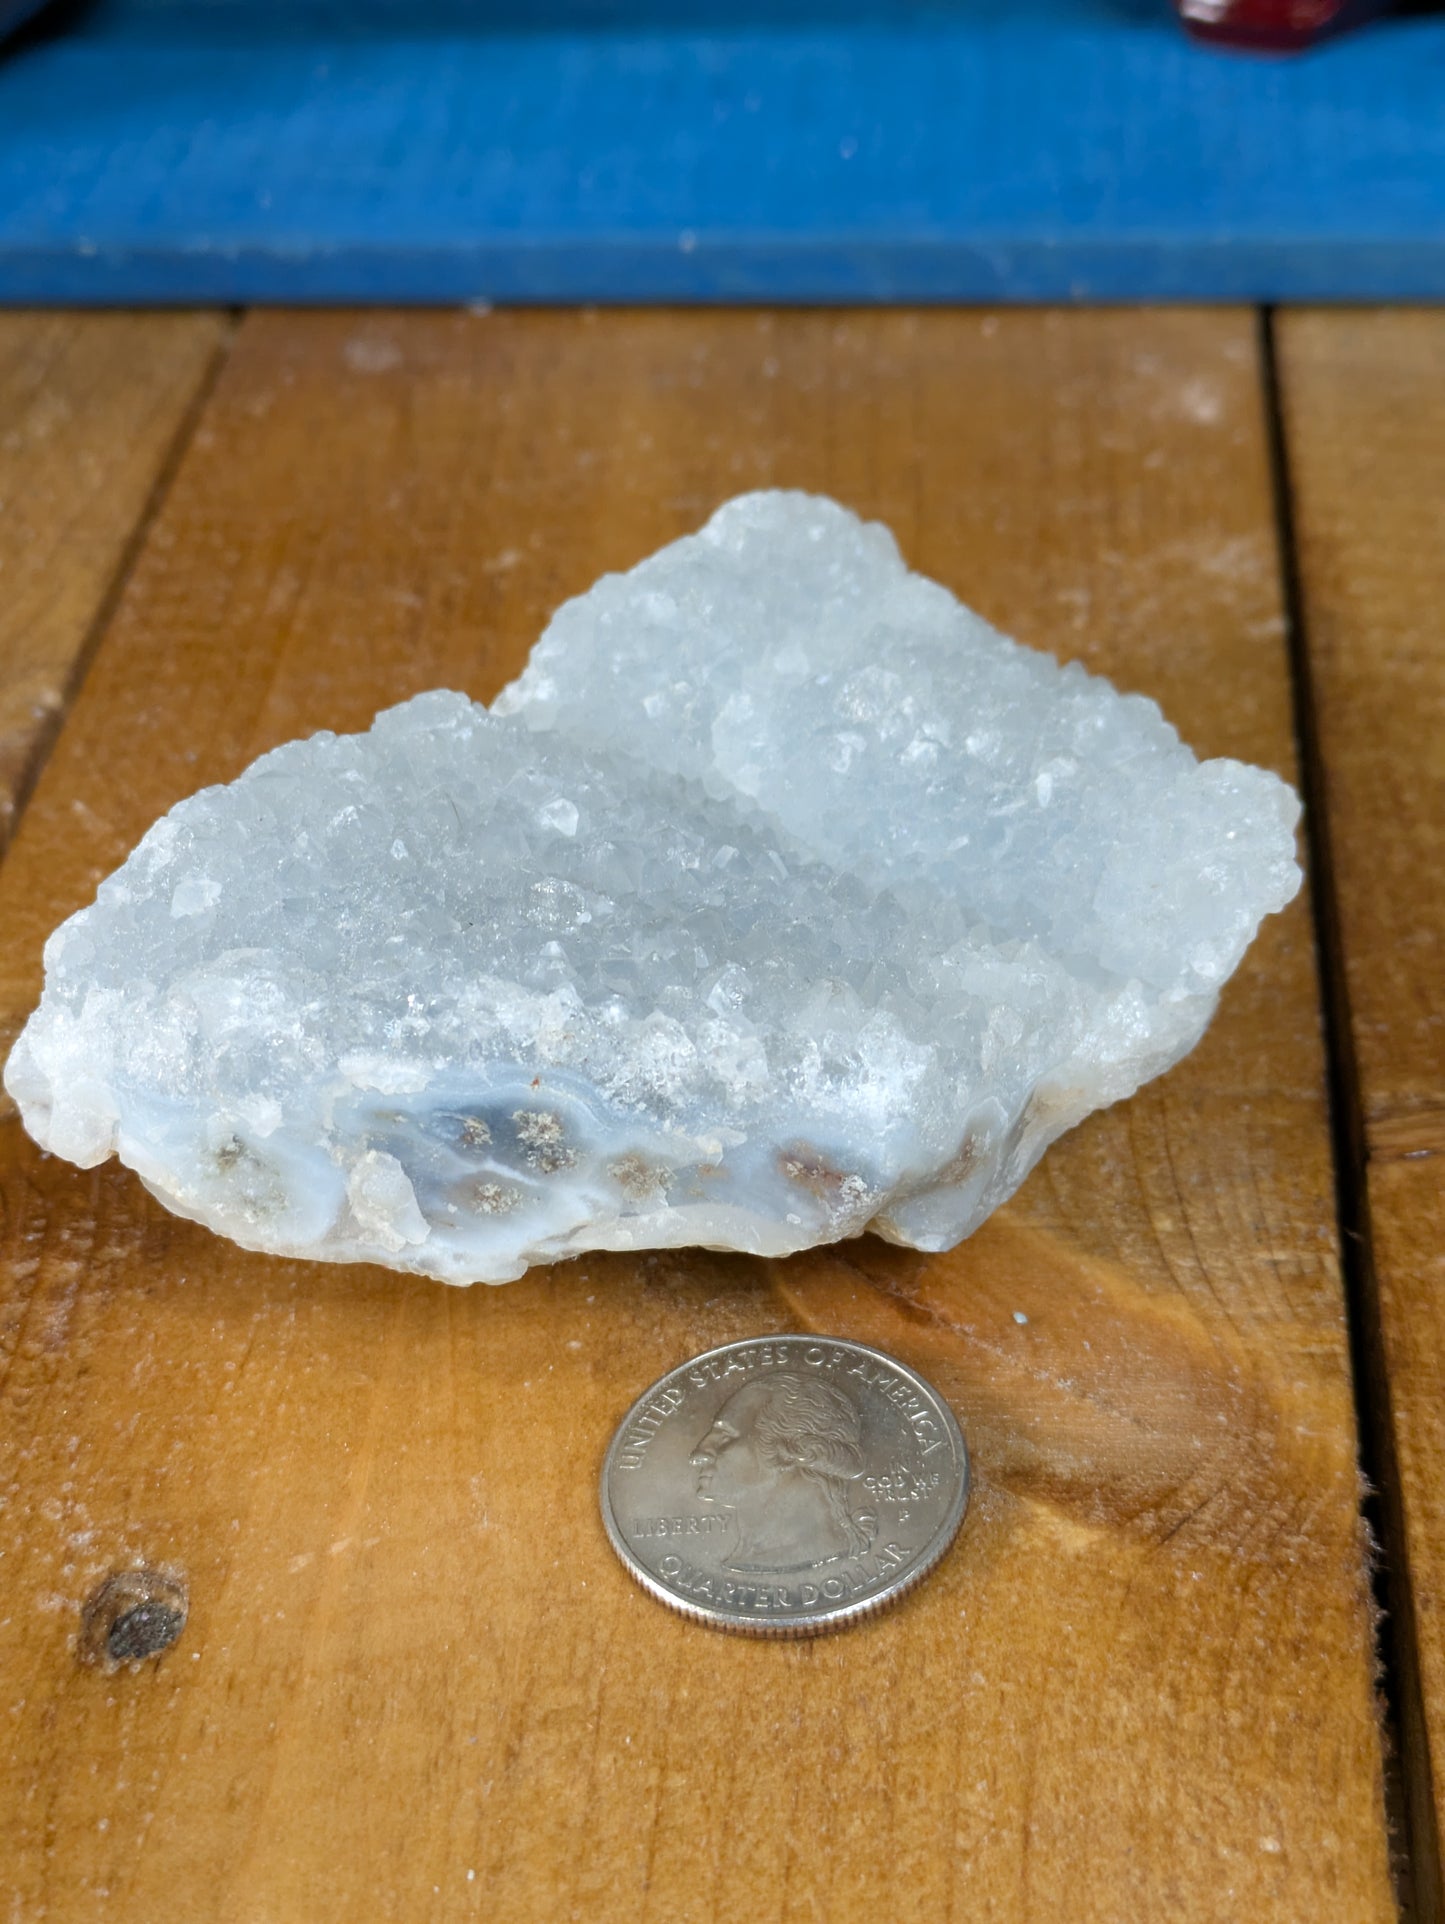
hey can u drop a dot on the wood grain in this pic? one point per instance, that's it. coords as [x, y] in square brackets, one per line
[90, 408]
[414, 1681]
[1365, 410]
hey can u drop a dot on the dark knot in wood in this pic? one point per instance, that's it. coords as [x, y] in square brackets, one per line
[131, 1615]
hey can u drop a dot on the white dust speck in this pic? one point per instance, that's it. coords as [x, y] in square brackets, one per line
[1201, 401]
[371, 354]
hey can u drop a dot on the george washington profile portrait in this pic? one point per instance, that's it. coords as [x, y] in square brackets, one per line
[781, 1457]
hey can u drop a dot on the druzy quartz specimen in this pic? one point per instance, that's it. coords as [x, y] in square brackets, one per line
[780, 898]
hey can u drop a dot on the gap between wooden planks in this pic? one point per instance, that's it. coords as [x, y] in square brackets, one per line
[1365, 417]
[414, 1681]
[91, 406]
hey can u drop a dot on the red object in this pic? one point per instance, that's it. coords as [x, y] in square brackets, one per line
[1273, 26]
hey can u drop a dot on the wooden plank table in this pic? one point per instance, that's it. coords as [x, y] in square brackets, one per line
[91, 410]
[414, 1681]
[1365, 410]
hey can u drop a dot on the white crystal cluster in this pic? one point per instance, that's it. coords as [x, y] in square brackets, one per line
[780, 898]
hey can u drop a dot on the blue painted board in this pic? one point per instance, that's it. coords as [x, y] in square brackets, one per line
[14, 13]
[445, 150]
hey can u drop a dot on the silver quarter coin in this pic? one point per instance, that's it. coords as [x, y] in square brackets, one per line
[785, 1486]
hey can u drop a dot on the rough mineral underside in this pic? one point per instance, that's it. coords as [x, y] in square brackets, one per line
[780, 898]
